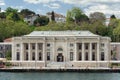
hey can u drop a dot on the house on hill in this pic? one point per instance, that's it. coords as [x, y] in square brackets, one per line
[58, 17]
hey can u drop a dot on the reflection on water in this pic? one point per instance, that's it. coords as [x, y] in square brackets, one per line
[59, 76]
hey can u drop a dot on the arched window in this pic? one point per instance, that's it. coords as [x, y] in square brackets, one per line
[59, 49]
[18, 56]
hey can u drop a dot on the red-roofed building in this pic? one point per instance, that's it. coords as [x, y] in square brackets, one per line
[8, 40]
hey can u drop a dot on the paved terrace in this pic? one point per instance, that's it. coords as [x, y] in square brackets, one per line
[61, 65]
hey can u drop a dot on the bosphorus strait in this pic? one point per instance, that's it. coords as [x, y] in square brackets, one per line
[58, 76]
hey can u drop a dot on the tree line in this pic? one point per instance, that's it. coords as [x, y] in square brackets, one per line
[12, 23]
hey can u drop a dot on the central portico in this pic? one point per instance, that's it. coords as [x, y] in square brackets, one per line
[49, 48]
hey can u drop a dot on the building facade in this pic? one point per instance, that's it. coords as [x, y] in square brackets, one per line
[61, 49]
[30, 19]
[58, 17]
[115, 51]
[5, 47]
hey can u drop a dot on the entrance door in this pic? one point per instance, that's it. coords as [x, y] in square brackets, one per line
[60, 57]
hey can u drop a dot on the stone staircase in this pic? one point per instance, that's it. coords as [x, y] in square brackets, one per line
[59, 64]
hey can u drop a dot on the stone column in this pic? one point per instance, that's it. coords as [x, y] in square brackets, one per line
[98, 51]
[90, 56]
[13, 51]
[53, 52]
[29, 52]
[106, 51]
[67, 52]
[83, 51]
[36, 51]
[21, 52]
[43, 46]
[75, 54]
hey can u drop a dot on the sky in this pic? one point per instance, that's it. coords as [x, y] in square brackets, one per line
[108, 7]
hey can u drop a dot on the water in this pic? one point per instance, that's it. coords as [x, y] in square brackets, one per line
[59, 76]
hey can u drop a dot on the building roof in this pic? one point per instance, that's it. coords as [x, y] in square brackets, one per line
[8, 40]
[56, 14]
[61, 33]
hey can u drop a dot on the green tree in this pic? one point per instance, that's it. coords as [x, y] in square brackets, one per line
[2, 15]
[41, 21]
[112, 17]
[99, 28]
[12, 14]
[116, 32]
[20, 28]
[113, 21]
[97, 16]
[53, 16]
[10, 10]
[76, 14]
[14, 17]
[8, 55]
[26, 12]
[9, 28]
[69, 18]
[5, 29]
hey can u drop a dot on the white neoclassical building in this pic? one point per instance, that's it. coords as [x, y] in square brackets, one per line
[61, 48]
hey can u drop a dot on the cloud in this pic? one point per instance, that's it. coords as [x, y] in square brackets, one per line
[52, 5]
[89, 1]
[2, 2]
[39, 1]
[2, 10]
[108, 7]
[17, 7]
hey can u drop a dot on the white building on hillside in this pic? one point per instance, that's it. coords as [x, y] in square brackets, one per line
[30, 19]
[58, 17]
[61, 48]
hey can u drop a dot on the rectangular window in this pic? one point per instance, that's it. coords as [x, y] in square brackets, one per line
[48, 45]
[40, 46]
[71, 56]
[18, 45]
[102, 56]
[18, 56]
[48, 56]
[1, 47]
[6, 47]
[86, 56]
[40, 56]
[71, 45]
[80, 56]
[26, 46]
[86, 46]
[26, 56]
[33, 56]
[33, 46]
[93, 56]
[102, 44]
[93, 46]
[80, 46]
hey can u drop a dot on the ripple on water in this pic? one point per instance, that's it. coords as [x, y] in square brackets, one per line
[58, 76]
